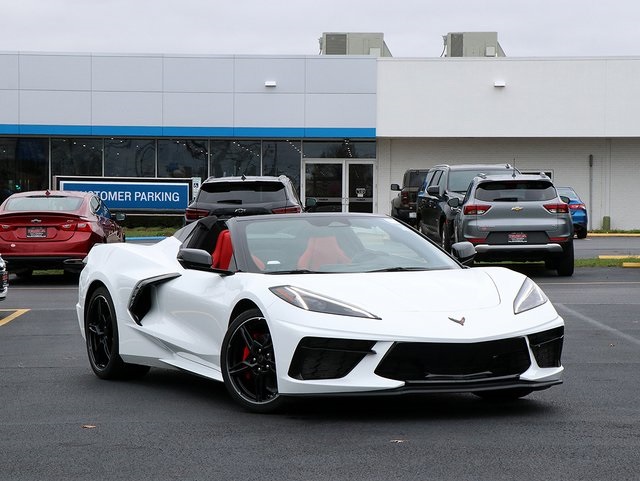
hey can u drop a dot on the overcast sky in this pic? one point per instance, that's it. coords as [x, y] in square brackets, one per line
[411, 28]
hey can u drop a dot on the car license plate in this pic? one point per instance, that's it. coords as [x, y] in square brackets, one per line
[517, 238]
[36, 232]
[412, 215]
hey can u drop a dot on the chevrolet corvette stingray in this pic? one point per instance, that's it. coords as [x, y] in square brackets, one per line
[284, 306]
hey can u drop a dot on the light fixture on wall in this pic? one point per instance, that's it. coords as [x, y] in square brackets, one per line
[270, 83]
[499, 83]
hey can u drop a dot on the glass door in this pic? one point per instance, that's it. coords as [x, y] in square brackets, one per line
[359, 187]
[339, 185]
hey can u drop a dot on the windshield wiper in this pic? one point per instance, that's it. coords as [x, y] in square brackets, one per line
[400, 269]
[297, 271]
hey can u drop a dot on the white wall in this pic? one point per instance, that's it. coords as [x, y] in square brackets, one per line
[456, 97]
[157, 91]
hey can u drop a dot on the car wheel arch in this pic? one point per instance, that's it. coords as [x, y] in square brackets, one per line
[242, 306]
[94, 286]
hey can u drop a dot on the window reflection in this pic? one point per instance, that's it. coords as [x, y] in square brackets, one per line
[24, 165]
[235, 157]
[344, 149]
[76, 156]
[129, 157]
[182, 158]
[282, 158]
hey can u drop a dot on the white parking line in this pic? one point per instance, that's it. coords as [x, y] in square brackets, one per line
[598, 324]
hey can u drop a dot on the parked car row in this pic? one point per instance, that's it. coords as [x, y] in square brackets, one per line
[506, 215]
[56, 229]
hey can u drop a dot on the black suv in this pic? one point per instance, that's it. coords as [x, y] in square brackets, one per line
[403, 206]
[434, 217]
[227, 197]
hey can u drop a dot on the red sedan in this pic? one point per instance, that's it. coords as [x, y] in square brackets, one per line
[54, 229]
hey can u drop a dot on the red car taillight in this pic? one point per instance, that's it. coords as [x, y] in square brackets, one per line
[195, 214]
[557, 208]
[287, 210]
[476, 209]
[577, 207]
[77, 226]
[404, 198]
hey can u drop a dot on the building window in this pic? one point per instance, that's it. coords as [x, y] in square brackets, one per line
[81, 156]
[235, 157]
[282, 158]
[129, 157]
[24, 165]
[344, 149]
[182, 158]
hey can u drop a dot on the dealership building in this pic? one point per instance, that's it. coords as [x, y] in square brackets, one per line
[342, 125]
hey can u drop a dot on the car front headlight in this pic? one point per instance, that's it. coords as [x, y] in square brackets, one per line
[310, 301]
[529, 297]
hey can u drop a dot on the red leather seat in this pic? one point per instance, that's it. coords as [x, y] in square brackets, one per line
[322, 251]
[221, 257]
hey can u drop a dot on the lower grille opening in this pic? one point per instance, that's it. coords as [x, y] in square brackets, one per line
[449, 362]
[327, 358]
[547, 347]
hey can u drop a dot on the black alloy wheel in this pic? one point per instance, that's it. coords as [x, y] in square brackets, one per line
[101, 334]
[249, 364]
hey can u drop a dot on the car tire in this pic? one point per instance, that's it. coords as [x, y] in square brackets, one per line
[581, 233]
[565, 265]
[445, 236]
[504, 394]
[102, 340]
[249, 364]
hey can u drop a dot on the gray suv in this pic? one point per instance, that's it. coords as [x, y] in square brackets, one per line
[516, 218]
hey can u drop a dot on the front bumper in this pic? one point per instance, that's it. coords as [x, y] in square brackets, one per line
[334, 366]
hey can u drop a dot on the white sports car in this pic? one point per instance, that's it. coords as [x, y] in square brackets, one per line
[278, 306]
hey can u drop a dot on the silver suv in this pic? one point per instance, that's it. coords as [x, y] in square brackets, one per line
[516, 217]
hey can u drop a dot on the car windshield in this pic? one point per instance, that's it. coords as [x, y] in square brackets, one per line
[459, 180]
[515, 191]
[43, 203]
[245, 192]
[318, 243]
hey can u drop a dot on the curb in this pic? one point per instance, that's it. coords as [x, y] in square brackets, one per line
[611, 234]
[145, 239]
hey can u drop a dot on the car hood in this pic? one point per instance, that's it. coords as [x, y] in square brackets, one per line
[385, 292]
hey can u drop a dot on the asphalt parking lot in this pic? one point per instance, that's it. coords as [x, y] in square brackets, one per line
[58, 421]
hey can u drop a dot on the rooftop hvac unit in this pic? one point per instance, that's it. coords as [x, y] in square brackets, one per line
[473, 44]
[354, 44]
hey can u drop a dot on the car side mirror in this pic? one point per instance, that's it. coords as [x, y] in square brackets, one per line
[433, 190]
[194, 259]
[120, 217]
[395, 187]
[454, 202]
[464, 252]
[310, 203]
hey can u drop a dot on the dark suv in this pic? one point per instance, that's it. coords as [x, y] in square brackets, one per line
[227, 197]
[403, 206]
[443, 182]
